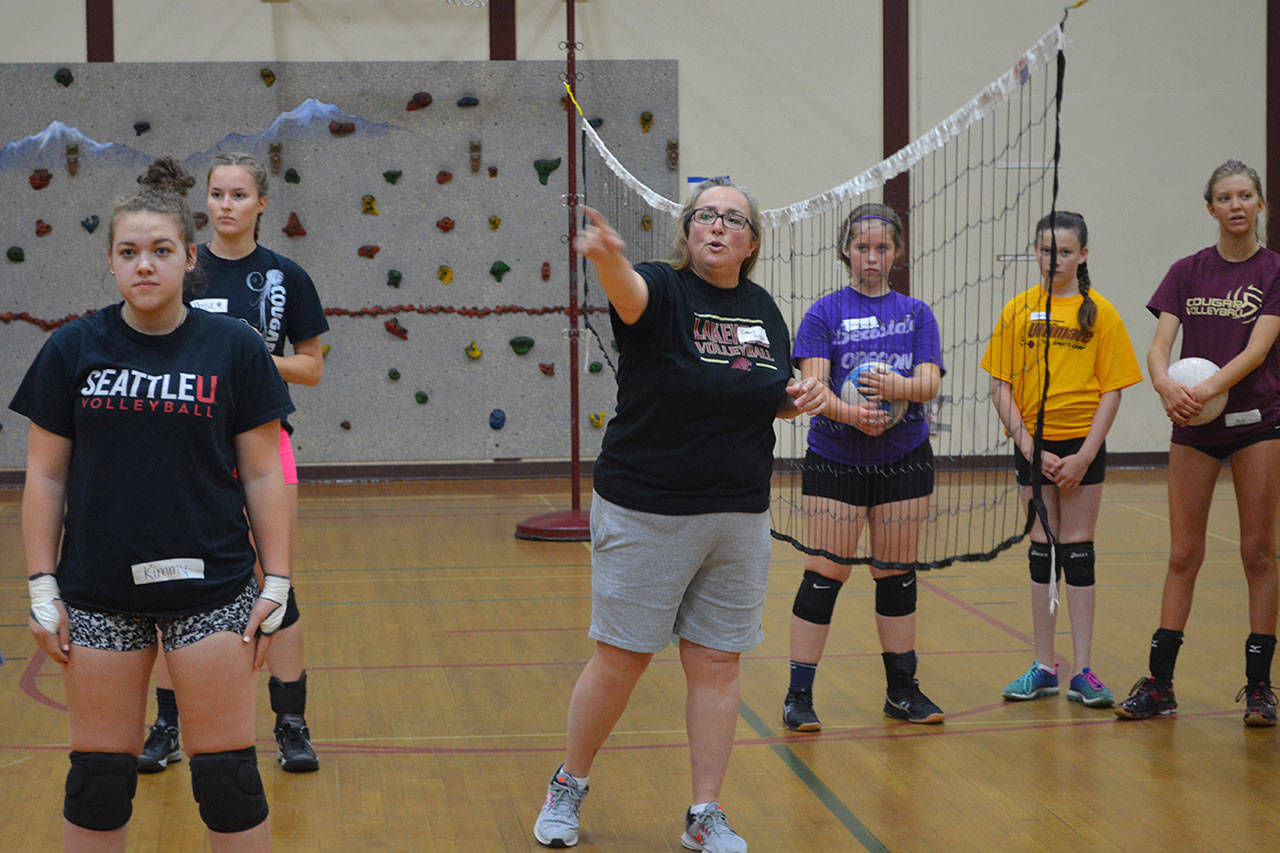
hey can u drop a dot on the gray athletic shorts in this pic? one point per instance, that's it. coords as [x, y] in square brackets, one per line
[126, 632]
[699, 577]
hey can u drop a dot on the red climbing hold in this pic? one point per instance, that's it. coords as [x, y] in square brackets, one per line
[546, 270]
[419, 101]
[42, 228]
[393, 326]
[368, 250]
[443, 177]
[40, 179]
[293, 227]
[342, 128]
[547, 369]
[445, 224]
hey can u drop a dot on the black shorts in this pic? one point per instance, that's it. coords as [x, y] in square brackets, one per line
[1222, 452]
[1097, 469]
[869, 485]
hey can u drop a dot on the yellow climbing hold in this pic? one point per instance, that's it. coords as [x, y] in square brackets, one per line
[473, 351]
[445, 274]
[596, 418]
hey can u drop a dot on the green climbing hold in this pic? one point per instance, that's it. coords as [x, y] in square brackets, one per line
[392, 175]
[421, 397]
[498, 270]
[521, 344]
[393, 375]
[394, 277]
[545, 168]
[16, 254]
[595, 367]
[291, 176]
[63, 77]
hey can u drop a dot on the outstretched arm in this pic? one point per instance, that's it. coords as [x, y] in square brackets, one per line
[600, 244]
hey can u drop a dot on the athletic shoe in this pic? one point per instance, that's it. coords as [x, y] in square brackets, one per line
[1147, 699]
[293, 744]
[557, 824]
[1260, 704]
[1089, 689]
[797, 712]
[709, 830]
[1033, 684]
[160, 749]
[911, 705]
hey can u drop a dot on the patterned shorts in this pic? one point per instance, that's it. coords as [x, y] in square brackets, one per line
[127, 632]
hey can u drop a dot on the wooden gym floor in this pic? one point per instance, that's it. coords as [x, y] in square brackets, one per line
[441, 653]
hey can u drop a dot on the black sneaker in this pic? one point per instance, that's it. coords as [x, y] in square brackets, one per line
[293, 744]
[911, 705]
[1147, 699]
[1260, 704]
[160, 749]
[797, 712]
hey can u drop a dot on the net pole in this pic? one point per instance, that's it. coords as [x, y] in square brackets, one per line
[572, 525]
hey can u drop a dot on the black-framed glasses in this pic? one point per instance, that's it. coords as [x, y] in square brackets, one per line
[732, 220]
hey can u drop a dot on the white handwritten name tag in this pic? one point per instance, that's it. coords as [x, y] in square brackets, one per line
[752, 335]
[213, 306]
[173, 569]
[854, 324]
[1235, 419]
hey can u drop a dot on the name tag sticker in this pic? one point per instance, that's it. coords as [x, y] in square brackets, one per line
[853, 324]
[213, 306]
[752, 335]
[173, 569]
[1035, 315]
[1235, 419]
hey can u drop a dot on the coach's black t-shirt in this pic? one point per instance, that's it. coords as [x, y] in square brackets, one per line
[155, 519]
[701, 375]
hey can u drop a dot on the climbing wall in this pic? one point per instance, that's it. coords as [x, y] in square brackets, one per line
[426, 200]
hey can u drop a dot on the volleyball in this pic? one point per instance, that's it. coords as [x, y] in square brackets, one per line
[1192, 371]
[850, 394]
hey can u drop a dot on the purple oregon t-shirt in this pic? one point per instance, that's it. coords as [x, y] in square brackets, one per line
[1217, 302]
[848, 328]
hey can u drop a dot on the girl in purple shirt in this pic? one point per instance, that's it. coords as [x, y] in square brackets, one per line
[1226, 301]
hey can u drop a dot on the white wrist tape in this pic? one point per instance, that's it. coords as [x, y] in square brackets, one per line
[274, 588]
[44, 591]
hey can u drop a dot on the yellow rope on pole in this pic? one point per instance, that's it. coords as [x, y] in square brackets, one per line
[575, 100]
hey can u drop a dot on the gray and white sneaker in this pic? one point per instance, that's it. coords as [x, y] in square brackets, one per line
[557, 824]
[710, 831]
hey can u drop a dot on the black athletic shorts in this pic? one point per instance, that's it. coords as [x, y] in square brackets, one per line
[869, 485]
[1222, 452]
[1096, 473]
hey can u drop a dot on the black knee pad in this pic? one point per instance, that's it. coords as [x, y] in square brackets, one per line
[229, 790]
[1038, 557]
[896, 595]
[100, 789]
[1076, 562]
[291, 613]
[816, 598]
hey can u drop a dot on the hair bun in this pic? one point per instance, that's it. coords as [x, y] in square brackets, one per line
[165, 175]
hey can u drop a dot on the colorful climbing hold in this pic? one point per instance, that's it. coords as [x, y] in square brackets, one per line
[141, 127]
[291, 176]
[596, 122]
[293, 227]
[521, 344]
[673, 154]
[324, 350]
[420, 100]
[201, 218]
[369, 205]
[468, 101]
[73, 158]
[273, 153]
[546, 270]
[342, 128]
[498, 270]
[420, 397]
[595, 367]
[493, 171]
[443, 177]
[497, 419]
[393, 326]
[15, 254]
[545, 168]
[494, 222]
[646, 121]
[564, 103]
[646, 223]
[90, 223]
[63, 77]
[445, 224]
[445, 274]
[40, 179]
[596, 419]
[42, 228]
[475, 155]
[345, 425]
[368, 250]
[547, 369]
[473, 351]
[394, 277]
[393, 375]
[268, 76]
[391, 175]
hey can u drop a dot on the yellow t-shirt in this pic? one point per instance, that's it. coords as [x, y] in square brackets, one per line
[1081, 367]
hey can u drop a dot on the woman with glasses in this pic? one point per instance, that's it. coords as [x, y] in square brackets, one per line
[680, 514]
[864, 467]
